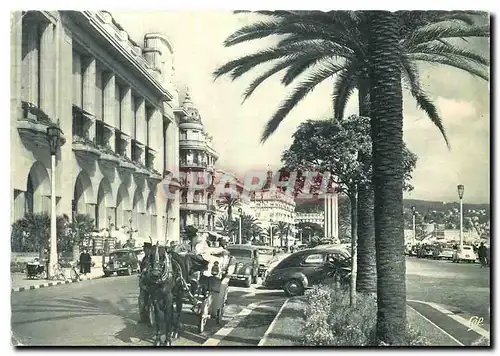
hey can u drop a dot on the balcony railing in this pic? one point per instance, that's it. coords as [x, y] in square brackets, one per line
[33, 113]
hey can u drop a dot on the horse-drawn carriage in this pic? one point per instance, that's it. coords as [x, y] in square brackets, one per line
[208, 292]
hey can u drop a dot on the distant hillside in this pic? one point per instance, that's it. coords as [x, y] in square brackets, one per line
[421, 206]
[424, 205]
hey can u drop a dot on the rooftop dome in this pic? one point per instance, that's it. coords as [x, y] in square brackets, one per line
[192, 111]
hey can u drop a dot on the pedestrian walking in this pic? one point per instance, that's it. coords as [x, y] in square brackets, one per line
[482, 252]
[85, 262]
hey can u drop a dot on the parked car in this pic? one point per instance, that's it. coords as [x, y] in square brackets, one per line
[246, 258]
[122, 261]
[466, 253]
[303, 269]
[446, 254]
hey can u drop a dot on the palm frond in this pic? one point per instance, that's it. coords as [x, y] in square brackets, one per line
[304, 88]
[343, 88]
[448, 49]
[261, 78]
[237, 67]
[301, 65]
[435, 31]
[452, 62]
[410, 74]
[284, 26]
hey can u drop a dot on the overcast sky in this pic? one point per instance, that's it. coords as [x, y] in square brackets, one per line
[462, 100]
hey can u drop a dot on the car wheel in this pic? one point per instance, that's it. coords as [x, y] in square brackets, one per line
[293, 288]
[248, 282]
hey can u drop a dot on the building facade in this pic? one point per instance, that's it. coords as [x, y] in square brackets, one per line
[114, 102]
[315, 218]
[197, 166]
[272, 207]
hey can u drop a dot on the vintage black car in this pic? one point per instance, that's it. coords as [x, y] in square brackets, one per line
[247, 263]
[122, 262]
[305, 268]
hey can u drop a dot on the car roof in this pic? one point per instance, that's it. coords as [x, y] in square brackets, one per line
[123, 250]
[321, 249]
[266, 248]
[242, 247]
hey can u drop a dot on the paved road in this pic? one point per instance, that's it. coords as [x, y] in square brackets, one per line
[103, 312]
[465, 288]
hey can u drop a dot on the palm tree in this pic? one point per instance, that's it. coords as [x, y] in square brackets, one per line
[228, 203]
[250, 227]
[386, 109]
[282, 229]
[227, 225]
[320, 45]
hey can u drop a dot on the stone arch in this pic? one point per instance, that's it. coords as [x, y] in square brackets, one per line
[37, 189]
[83, 193]
[104, 200]
[153, 218]
[138, 213]
[123, 207]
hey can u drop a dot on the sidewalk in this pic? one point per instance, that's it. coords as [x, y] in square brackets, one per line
[434, 322]
[19, 281]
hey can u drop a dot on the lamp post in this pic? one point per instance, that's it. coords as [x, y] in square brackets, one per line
[110, 226]
[240, 211]
[271, 231]
[460, 189]
[55, 141]
[413, 211]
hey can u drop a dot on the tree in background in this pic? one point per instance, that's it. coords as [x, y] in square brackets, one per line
[32, 233]
[333, 146]
[228, 203]
[309, 229]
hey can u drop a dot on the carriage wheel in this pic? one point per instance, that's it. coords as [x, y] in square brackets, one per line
[204, 314]
[220, 315]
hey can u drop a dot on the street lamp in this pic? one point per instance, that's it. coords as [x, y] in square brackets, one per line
[55, 141]
[413, 211]
[240, 211]
[271, 231]
[460, 189]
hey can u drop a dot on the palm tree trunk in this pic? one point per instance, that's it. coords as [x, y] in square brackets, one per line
[387, 140]
[354, 240]
[367, 269]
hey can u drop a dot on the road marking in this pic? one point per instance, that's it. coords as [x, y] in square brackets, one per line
[271, 326]
[233, 324]
[457, 318]
[438, 327]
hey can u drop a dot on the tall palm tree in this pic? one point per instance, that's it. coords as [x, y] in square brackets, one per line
[228, 203]
[282, 229]
[387, 141]
[319, 45]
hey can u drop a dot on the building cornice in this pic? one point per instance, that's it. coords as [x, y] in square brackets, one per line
[99, 23]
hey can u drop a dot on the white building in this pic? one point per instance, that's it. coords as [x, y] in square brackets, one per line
[114, 101]
[272, 207]
[315, 218]
[197, 161]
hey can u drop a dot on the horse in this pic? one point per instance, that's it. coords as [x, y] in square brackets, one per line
[162, 283]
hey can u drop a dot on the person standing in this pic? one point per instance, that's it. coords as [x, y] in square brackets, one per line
[85, 262]
[482, 254]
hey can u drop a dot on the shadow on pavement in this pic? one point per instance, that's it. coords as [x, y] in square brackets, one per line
[125, 308]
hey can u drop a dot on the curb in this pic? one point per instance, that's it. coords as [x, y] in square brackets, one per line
[51, 284]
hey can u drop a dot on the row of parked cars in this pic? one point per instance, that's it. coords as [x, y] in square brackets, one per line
[444, 252]
[293, 273]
